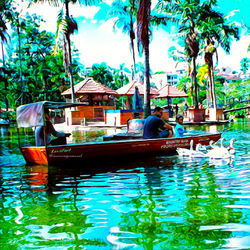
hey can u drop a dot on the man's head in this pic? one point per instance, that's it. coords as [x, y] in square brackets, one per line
[158, 111]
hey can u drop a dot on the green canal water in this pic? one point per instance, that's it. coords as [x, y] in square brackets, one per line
[153, 203]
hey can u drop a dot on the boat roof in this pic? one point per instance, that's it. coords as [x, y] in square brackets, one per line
[32, 115]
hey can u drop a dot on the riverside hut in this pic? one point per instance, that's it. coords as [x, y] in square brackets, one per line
[121, 117]
[170, 91]
[96, 97]
[129, 90]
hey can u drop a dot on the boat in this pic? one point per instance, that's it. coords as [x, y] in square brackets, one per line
[32, 115]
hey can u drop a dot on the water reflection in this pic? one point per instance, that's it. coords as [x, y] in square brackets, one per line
[150, 203]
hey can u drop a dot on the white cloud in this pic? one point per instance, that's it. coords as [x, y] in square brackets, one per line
[107, 27]
[49, 13]
[237, 52]
[97, 44]
[98, 47]
[77, 10]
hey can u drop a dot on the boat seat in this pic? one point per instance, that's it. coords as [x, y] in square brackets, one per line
[122, 136]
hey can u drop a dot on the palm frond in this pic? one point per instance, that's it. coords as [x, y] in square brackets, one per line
[87, 2]
[50, 2]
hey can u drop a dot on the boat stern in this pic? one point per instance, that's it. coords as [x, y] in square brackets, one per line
[35, 155]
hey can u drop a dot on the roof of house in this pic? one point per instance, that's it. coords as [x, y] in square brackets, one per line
[170, 91]
[129, 89]
[90, 86]
[229, 76]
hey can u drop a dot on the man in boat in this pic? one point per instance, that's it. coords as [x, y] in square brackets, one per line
[50, 130]
[155, 127]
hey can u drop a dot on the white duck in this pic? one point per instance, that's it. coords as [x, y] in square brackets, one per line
[190, 152]
[221, 144]
[219, 152]
[185, 151]
[231, 148]
[204, 148]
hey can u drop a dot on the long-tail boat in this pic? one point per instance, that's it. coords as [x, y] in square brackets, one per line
[32, 115]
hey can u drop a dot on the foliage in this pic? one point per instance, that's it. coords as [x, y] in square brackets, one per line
[119, 76]
[42, 73]
[244, 63]
[198, 21]
[124, 15]
[111, 78]
[102, 73]
[238, 90]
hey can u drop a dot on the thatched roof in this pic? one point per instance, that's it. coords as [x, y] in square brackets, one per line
[129, 89]
[170, 91]
[90, 86]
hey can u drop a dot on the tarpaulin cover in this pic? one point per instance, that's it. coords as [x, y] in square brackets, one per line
[32, 115]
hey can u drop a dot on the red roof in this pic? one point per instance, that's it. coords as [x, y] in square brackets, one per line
[170, 91]
[228, 76]
[90, 86]
[129, 89]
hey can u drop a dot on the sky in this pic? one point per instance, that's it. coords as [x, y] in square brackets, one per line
[97, 42]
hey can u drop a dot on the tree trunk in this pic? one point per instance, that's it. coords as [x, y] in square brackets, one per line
[195, 84]
[69, 57]
[147, 109]
[213, 87]
[208, 94]
[209, 51]
[23, 97]
[5, 81]
[210, 86]
[192, 91]
[133, 55]
[132, 37]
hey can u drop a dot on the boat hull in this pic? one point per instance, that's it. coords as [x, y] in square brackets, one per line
[81, 153]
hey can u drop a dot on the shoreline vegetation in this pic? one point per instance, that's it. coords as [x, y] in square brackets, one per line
[38, 65]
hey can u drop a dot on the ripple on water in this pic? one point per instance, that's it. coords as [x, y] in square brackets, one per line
[157, 203]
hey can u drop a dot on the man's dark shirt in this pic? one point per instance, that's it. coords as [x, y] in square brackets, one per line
[151, 126]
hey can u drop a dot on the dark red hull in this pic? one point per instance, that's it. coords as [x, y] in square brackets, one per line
[80, 153]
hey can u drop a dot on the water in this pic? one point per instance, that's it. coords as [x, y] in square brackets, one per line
[152, 203]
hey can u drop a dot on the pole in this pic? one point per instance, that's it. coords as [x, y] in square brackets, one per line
[18, 137]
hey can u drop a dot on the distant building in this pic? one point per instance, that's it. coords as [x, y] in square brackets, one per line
[229, 77]
[171, 78]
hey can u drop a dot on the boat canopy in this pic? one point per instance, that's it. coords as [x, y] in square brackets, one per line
[32, 115]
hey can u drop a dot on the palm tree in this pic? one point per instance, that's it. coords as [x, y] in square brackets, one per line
[125, 19]
[209, 51]
[213, 28]
[192, 51]
[185, 14]
[68, 25]
[143, 34]
[199, 20]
